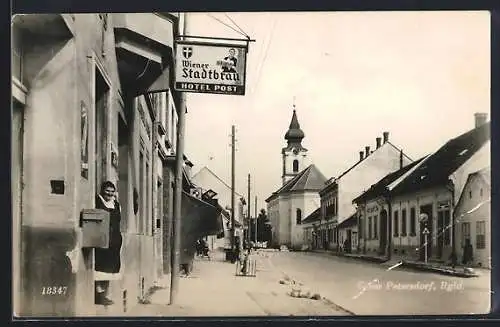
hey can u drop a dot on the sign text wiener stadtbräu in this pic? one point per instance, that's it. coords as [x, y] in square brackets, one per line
[210, 68]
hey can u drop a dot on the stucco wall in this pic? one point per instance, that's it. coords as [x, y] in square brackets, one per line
[479, 207]
[59, 76]
[381, 162]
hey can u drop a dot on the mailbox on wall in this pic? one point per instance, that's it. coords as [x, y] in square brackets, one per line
[95, 228]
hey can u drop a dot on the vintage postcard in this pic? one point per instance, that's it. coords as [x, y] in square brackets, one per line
[251, 164]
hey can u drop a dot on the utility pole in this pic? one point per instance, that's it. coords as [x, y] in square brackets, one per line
[176, 221]
[233, 193]
[255, 206]
[249, 212]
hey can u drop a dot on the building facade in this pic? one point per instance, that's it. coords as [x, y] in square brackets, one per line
[205, 179]
[84, 112]
[337, 195]
[473, 216]
[298, 196]
[410, 214]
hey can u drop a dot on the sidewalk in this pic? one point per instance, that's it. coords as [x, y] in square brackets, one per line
[214, 290]
[458, 271]
[358, 256]
[432, 267]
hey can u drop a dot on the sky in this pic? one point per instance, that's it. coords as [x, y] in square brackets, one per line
[420, 76]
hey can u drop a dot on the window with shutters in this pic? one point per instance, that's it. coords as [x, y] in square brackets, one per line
[396, 223]
[480, 235]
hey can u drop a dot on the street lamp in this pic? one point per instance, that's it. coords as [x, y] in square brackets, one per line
[424, 218]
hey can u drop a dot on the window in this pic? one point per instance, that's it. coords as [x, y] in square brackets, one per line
[465, 233]
[480, 235]
[295, 166]
[369, 228]
[470, 194]
[413, 222]
[396, 223]
[335, 235]
[481, 192]
[360, 227]
[403, 222]
[336, 207]
[299, 216]
[375, 227]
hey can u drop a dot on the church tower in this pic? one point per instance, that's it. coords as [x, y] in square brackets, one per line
[294, 155]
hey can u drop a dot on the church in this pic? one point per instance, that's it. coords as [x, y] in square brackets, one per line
[298, 196]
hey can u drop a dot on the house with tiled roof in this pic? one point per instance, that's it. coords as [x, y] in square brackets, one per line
[298, 195]
[398, 211]
[473, 217]
[309, 229]
[337, 195]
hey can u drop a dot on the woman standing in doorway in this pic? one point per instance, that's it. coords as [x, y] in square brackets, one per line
[107, 261]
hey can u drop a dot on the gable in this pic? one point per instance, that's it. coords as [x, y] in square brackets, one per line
[436, 169]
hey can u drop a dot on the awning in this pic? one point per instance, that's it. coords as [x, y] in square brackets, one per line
[199, 219]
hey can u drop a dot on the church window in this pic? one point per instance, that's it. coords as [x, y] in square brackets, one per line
[295, 166]
[299, 216]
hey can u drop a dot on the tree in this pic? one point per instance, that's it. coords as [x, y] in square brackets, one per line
[263, 227]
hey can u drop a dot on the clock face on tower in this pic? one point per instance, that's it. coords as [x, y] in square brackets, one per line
[295, 151]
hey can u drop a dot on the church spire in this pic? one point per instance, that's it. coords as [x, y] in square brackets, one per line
[294, 135]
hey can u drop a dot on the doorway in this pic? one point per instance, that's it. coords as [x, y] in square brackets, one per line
[383, 232]
[427, 209]
[440, 233]
[101, 105]
[123, 170]
[349, 241]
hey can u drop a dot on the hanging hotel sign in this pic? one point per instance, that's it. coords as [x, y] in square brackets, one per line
[202, 67]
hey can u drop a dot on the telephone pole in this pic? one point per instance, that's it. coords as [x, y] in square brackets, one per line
[249, 212]
[176, 221]
[255, 206]
[233, 150]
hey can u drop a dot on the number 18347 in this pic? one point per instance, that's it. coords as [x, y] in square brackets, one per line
[54, 290]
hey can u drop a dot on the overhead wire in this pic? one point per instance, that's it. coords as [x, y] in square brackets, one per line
[220, 21]
[232, 21]
[263, 62]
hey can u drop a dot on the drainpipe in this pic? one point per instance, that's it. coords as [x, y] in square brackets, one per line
[388, 200]
[364, 228]
[451, 188]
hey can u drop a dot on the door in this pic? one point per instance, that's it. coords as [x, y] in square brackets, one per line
[440, 233]
[383, 231]
[349, 241]
[427, 209]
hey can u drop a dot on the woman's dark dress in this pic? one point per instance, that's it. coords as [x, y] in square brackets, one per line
[108, 260]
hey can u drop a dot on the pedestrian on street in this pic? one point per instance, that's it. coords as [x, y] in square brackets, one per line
[107, 261]
[454, 259]
[468, 252]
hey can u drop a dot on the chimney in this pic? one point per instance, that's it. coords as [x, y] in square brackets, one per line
[400, 159]
[379, 139]
[480, 118]
[367, 149]
[386, 137]
[361, 153]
